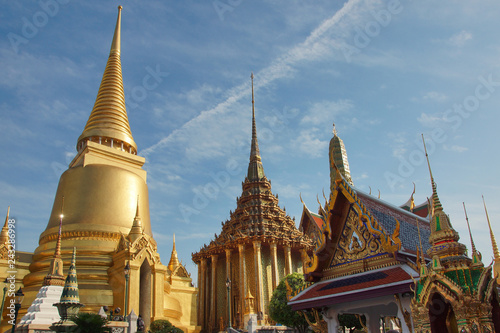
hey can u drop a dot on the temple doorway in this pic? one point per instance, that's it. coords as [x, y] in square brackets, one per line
[442, 316]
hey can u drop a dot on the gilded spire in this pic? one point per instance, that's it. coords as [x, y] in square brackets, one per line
[476, 256]
[441, 229]
[255, 167]
[136, 230]
[55, 277]
[57, 253]
[108, 122]
[4, 234]
[174, 260]
[496, 254]
[338, 156]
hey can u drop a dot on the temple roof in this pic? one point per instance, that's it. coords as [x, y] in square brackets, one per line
[386, 214]
[108, 118]
[361, 286]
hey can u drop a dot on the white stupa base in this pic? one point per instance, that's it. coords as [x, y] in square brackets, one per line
[42, 311]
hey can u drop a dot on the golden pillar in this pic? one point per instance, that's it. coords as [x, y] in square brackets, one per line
[158, 274]
[243, 281]
[228, 276]
[274, 265]
[213, 293]
[202, 291]
[259, 287]
[288, 260]
[304, 257]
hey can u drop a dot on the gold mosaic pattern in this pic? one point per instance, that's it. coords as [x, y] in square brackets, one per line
[250, 269]
[221, 289]
[267, 277]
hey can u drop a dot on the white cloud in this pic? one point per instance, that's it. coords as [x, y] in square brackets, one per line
[460, 38]
[398, 143]
[308, 143]
[318, 45]
[323, 111]
[429, 120]
[455, 148]
[435, 96]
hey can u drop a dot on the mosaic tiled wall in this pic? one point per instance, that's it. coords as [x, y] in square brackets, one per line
[267, 275]
[250, 269]
[221, 290]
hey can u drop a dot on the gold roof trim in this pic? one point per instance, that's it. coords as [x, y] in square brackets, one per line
[108, 119]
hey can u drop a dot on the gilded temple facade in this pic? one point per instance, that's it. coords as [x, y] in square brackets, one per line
[257, 247]
[104, 197]
[374, 259]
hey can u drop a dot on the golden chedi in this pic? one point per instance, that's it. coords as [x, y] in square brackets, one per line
[106, 217]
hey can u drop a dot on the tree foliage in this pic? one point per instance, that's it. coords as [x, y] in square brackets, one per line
[90, 323]
[280, 311]
[163, 326]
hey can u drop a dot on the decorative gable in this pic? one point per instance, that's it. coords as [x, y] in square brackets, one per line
[356, 242]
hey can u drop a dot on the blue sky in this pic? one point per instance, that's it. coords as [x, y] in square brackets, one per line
[384, 71]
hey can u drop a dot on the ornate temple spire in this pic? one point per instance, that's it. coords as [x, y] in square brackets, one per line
[56, 276]
[70, 293]
[108, 122]
[496, 254]
[476, 255]
[136, 230]
[4, 234]
[441, 230]
[255, 167]
[338, 155]
[174, 260]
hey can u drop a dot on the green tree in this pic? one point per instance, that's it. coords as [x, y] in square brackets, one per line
[280, 311]
[90, 323]
[163, 326]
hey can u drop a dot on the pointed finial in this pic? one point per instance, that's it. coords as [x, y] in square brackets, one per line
[253, 102]
[435, 199]
[370, 190]
[116, 44]
[137, 216]
[108, 121]
[57, 253]
[379, 194]
[334, 130]
[474, 251]
[255, 167]
[496, 254]
[4, 234]
[412, 201]
[174, 260]
[136, 230]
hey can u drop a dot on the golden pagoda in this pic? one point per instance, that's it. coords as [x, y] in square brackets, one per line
[257, 247]
[106, 218]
